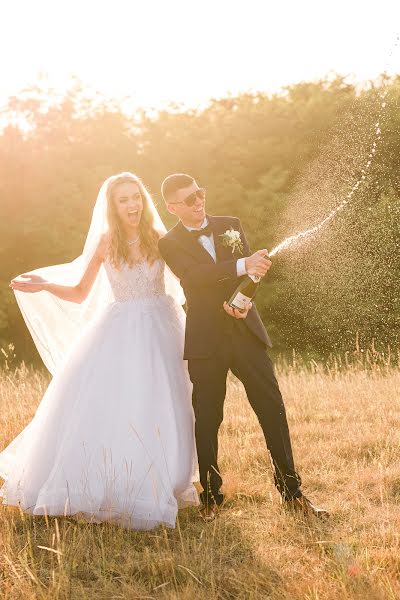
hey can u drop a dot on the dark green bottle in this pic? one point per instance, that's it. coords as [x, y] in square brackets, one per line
[244, 293]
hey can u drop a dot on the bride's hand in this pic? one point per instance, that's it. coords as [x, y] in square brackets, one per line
[28, 283]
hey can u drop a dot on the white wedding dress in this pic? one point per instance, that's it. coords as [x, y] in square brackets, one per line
[112, 439]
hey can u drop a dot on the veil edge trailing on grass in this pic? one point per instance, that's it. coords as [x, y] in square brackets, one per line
[55, 324]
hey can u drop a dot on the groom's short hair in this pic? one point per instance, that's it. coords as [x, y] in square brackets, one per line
[173, 183]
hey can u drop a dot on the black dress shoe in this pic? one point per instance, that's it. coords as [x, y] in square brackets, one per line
[302, 505]
[208, 512]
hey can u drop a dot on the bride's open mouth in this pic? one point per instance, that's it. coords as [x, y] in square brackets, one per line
[133, 214]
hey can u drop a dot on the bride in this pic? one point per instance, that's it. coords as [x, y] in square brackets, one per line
[112, 439]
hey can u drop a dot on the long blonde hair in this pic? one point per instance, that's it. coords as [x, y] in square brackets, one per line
[118, 248]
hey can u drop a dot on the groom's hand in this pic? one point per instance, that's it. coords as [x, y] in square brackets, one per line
[234, 312]
[258, 263]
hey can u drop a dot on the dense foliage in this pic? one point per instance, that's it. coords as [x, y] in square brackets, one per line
[280, 163]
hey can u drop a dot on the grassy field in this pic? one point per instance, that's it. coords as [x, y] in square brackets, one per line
[345, 424]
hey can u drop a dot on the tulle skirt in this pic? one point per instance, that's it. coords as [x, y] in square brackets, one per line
[113, 437]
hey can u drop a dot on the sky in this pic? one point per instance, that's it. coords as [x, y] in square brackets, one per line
[187, 51]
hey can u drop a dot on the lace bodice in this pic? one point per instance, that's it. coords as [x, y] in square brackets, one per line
[137, 282]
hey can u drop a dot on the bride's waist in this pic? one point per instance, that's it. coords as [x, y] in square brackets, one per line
[145, 300]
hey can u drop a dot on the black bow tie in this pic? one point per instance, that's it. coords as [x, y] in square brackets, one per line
[196, 233]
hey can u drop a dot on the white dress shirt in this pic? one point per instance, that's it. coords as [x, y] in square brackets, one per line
[207, 241]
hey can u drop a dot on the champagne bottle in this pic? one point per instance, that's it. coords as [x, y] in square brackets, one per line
[244, 293]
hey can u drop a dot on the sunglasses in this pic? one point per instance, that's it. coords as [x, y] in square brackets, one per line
[191, 199]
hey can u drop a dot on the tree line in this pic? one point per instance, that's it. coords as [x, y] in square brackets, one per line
[280, 162]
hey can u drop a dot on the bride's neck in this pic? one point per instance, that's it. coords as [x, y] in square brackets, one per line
[131, 233]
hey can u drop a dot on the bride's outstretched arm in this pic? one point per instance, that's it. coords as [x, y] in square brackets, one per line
[32, 283]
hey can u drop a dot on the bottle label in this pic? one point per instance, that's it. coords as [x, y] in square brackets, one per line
[240, 301]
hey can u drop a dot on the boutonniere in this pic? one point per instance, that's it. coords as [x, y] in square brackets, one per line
[231, 239]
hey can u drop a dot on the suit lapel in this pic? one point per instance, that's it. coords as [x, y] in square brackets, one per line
[191, 244]
[219, 226]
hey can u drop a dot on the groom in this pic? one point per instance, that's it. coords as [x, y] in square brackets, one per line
[219, 338]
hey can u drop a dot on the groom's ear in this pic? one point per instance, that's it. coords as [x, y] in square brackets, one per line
[171, 208]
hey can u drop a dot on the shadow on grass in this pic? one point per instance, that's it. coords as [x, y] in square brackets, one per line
[70, 559]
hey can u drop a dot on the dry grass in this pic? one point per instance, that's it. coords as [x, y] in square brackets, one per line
[345, 423]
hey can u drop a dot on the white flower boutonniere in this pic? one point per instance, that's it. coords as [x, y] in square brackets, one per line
[231, 239]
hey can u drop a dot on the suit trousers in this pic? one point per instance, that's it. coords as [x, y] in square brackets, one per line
[245, 355]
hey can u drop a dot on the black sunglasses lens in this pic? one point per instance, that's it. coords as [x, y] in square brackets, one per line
[191, 199]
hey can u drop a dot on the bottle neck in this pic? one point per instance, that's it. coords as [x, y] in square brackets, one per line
[254, 278]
